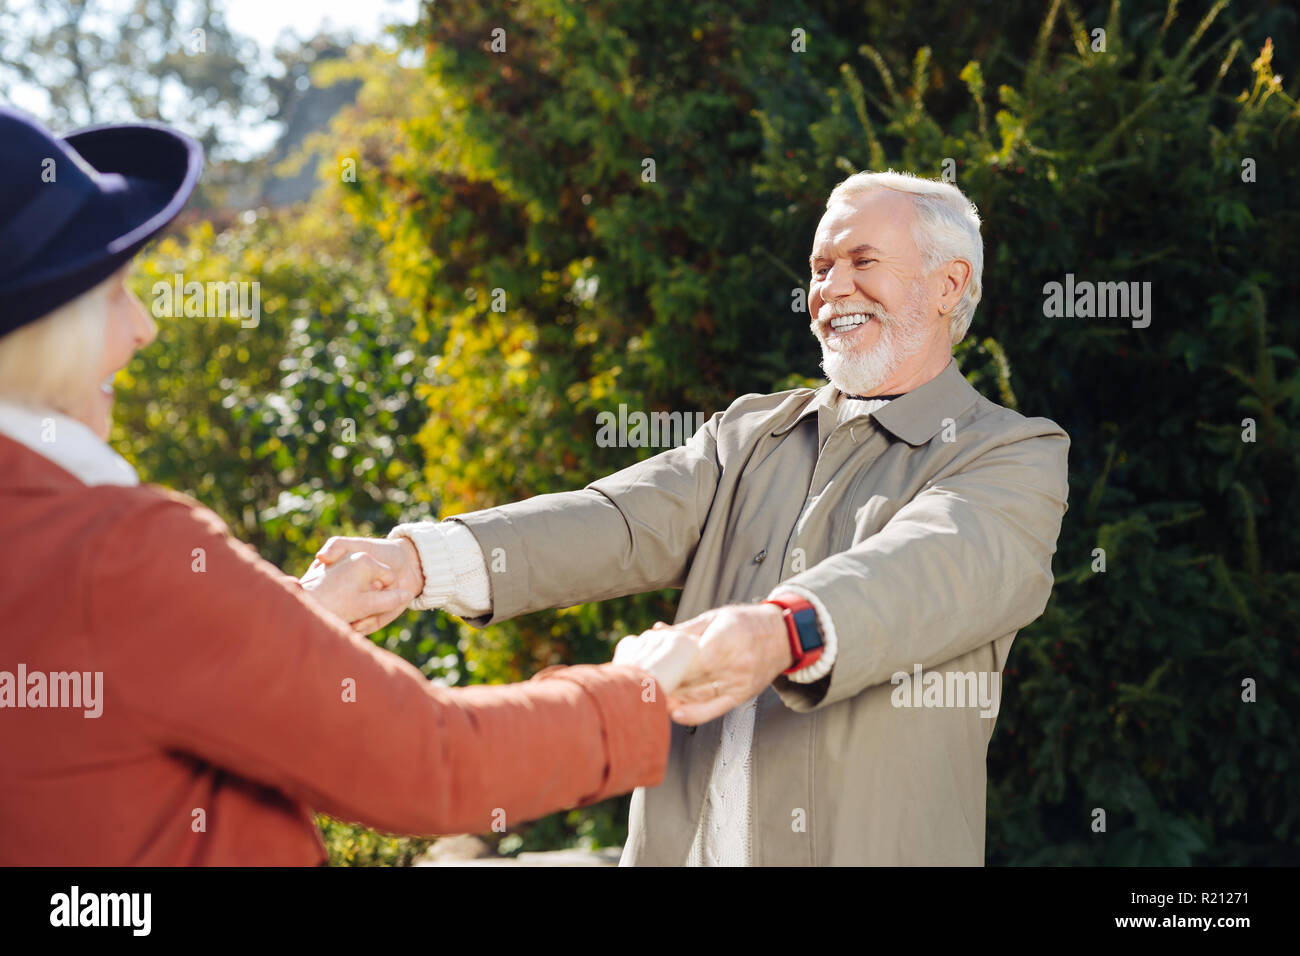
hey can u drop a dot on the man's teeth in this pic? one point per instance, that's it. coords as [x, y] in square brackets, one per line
[842, 322]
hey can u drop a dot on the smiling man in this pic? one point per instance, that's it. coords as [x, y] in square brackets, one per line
[892, 522]
[872, 303]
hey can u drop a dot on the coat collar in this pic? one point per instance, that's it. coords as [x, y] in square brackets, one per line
[56, 439]
[915, 417]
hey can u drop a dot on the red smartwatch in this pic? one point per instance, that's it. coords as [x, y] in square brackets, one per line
[801, 627]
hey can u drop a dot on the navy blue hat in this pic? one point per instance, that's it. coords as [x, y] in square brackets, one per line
[74, 210]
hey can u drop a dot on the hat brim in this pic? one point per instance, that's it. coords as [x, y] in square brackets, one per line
[146, 175]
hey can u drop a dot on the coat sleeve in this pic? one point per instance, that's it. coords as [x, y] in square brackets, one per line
[633, 531]
[213, 653]
[968, 560]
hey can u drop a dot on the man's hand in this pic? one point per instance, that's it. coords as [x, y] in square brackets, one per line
[743, 648]
[357, 588]
[398, 554]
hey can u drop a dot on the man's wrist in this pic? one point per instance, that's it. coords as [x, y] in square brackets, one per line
[452, 570]
[803, 629]
[778, 638]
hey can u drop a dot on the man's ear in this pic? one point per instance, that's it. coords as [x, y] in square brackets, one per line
[956, 277]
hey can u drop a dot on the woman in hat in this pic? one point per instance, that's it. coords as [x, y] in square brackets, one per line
[168, 697]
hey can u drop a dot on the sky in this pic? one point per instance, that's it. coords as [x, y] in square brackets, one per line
[262, 21]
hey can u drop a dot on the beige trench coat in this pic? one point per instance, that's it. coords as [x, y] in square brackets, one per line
[926, 529]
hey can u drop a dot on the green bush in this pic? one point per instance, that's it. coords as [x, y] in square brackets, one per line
[352, 845]
[522, 171]
[1127, 165]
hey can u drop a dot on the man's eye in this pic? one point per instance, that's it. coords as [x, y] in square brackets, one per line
[863, 262]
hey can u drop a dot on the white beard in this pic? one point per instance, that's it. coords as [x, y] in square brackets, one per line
[863, 370]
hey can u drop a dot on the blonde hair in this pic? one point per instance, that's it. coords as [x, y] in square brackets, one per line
[947, 227]
[47, 362]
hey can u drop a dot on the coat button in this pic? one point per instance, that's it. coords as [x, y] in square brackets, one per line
[691, 731]
[758, 558]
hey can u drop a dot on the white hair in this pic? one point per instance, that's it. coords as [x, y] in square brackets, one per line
[947, 227]
[46, 363]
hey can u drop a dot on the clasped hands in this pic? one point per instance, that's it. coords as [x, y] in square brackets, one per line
[713, 662]
[367, 582]
[707, 665]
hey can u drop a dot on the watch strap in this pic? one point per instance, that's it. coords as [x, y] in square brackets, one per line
[802, 630]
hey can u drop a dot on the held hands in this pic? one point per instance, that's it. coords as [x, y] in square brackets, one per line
[357, 588]
[397, 556]
[739, 650]
[708, 665]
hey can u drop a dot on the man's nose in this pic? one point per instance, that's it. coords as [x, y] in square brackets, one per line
[839, 282]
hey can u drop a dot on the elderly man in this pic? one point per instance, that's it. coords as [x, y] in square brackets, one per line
[854, 559]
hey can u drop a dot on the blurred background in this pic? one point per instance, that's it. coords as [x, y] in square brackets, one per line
[461, 262]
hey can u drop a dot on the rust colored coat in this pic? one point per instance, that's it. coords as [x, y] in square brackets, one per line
[225, 714]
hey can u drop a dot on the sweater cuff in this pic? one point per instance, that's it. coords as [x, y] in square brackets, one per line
[634, 722]
[822, 666]
[455, 574]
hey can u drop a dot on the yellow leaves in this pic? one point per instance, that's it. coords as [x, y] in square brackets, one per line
[973, 77]
[1264, 61]
[124, 379]
[254, 260]
[1267, 83]
[920, 75]
[603, 383]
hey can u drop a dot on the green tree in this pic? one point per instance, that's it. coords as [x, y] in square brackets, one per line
[503, 227]
[299, 427]
[676, 293]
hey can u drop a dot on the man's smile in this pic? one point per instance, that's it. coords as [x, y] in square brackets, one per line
[842, 323]
[847, 331]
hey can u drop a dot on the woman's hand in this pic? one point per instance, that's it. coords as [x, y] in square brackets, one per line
[398, 555]
[359, 588]
[665, 653]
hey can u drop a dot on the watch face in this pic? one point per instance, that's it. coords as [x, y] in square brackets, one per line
[805, 622]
